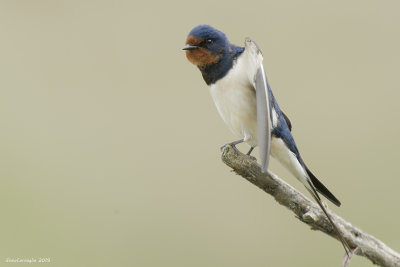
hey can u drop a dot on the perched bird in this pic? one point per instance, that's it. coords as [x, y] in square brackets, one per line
[241, 92]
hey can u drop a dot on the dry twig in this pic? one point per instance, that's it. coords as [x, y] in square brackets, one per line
[308, 212]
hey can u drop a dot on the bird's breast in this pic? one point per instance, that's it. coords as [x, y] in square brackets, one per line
[235, 99]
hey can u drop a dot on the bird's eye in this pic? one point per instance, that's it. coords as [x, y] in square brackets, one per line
[209, 41]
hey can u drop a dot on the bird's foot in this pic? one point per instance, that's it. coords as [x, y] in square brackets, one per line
[233, 144]
[248, 154]
[253, 158]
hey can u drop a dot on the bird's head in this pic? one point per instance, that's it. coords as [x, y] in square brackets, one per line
[205, 45]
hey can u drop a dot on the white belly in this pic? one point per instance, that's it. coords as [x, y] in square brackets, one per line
[236, 102]
[288, 159]
[235, 99]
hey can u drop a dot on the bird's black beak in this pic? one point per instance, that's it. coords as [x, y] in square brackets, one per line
[189, 47]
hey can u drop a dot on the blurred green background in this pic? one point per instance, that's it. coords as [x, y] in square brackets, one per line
[109, 140]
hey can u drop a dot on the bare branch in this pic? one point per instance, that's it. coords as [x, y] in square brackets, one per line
[308, 212]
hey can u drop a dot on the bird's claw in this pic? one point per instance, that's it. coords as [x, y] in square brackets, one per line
[229, 144]
[252, 158]
[249, 153]
[233, 144]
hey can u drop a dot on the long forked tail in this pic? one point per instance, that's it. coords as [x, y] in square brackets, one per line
[321, 188]
[314, 193]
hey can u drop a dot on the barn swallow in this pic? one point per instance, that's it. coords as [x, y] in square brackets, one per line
[243, 97]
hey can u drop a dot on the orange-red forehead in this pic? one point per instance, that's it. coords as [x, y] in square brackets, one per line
[193, 40]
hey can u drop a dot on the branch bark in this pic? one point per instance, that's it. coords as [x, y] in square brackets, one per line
[308, 212]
